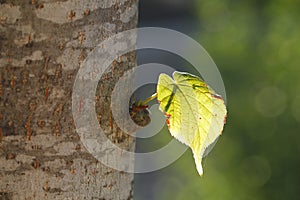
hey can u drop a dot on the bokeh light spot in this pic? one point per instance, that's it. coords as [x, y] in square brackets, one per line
[255, 171]
[270, 101]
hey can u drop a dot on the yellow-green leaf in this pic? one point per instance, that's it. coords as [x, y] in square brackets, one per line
[195, 113]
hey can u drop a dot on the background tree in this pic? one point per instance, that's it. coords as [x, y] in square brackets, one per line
[42, 44]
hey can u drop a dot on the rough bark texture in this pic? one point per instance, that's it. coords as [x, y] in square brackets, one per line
[42, 44]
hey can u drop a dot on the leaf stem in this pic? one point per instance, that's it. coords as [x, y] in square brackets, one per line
[153, 96]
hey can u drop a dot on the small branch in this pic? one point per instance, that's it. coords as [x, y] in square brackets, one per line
[154, 96]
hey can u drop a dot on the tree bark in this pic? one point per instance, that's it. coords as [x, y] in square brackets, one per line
[42, 45]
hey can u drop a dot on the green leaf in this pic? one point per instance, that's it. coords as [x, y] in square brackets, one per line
[195, 113]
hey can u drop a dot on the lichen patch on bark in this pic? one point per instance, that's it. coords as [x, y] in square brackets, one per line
[88, 37]
[10, 13]
[35, 56]
[70, 59]
[27, 34]
[128, 14]
[63, 13]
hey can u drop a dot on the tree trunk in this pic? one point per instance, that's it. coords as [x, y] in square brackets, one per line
[43, 43]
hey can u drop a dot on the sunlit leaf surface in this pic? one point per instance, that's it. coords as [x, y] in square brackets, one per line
[195, 113]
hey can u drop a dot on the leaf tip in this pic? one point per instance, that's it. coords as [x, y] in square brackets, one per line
[199, 166]
[199, 169]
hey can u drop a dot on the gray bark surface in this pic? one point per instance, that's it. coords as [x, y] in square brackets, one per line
[42, 45]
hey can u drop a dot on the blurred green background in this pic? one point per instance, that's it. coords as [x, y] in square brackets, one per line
[256, 46]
